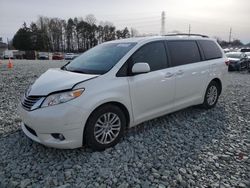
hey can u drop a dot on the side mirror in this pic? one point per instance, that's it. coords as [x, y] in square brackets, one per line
[139, 68]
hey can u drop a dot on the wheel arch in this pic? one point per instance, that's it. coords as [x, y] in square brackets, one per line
[115, 103]
[218, 81]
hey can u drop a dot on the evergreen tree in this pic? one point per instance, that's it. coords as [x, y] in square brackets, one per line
[22, 38]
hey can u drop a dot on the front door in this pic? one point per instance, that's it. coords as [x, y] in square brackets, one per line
[152, 94]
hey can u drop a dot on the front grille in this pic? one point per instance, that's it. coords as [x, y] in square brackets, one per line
[29, 101]
[30, 130]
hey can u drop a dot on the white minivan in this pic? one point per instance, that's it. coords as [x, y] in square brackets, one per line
[119, 84]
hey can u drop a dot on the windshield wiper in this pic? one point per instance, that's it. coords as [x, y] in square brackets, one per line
[77, 71]
[64, 66]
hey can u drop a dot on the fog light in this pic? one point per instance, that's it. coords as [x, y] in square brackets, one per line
[58, 136]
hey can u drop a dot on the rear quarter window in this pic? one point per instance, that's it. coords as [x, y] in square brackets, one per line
[211, 49]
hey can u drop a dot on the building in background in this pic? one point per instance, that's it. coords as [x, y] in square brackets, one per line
[3, 47]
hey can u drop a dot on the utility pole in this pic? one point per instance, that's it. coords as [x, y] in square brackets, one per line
[163, 23]
[230, 35]
[8, 43]
[189, 29]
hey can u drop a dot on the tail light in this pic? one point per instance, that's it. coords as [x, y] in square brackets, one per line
[227, 62]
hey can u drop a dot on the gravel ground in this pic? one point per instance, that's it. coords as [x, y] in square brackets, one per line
[189, 148]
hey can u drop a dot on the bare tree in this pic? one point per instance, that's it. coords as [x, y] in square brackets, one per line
[90, 19]
[134, 32]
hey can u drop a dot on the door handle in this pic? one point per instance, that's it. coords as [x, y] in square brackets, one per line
[179, 72]
[169, 75]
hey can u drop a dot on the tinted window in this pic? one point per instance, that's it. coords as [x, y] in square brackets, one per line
[99, 59]
[153, 53]
[183, 52]
[210, 49]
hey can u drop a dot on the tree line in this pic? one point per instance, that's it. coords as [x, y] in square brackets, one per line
[72, 35]
[233, 43]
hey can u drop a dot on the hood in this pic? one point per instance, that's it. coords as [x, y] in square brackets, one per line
[233, 59]
[55, 80]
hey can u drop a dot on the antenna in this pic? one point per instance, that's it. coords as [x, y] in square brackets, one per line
[163, 23]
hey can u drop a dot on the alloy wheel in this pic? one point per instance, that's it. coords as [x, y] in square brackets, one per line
[107, 128]
[212, 95]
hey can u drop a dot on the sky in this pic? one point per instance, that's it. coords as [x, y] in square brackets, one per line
[210, 17]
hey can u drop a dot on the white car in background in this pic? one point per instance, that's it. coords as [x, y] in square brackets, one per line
[8, 54]
[70, 56]
[43, 56]
[119, 84]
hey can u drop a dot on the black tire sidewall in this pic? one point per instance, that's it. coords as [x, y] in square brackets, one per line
[205, 103]
[89, 130]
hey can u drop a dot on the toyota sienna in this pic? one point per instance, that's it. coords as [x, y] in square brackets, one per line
[119, 84]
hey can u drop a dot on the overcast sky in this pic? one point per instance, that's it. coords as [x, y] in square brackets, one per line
[211, 17]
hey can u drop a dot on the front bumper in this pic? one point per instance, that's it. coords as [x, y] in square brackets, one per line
[65, 119]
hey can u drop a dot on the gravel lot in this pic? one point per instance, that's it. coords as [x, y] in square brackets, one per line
[189, 148]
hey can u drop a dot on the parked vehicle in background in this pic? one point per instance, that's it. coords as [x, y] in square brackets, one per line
[237, 61]
[30, 54]
[8, 54]
[248, 54]
[245, 50]
[57, 56]
[70, 56]
[13, 54]
[248, 60]
[17, 54]
[119, 84]
[43, 56]
[226, 50]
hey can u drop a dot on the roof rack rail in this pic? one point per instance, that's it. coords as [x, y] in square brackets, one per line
[188, 34]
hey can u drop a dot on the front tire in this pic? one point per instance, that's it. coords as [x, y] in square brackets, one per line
[104, 127]
[211, 96]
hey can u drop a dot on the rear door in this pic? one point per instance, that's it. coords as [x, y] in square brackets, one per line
[190, 74]
[152, 94]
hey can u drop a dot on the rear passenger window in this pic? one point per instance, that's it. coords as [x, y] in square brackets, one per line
[183, 52]
[153, 53]
[210, 49]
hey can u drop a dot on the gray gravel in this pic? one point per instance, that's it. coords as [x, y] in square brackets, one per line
[189, 148]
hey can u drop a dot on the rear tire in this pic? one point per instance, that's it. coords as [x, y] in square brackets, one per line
[105, 127]
[211, 96]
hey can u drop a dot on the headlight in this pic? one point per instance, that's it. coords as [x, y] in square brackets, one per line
[58, 98]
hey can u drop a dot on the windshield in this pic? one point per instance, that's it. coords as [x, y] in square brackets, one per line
[99, 59]
[234, 55]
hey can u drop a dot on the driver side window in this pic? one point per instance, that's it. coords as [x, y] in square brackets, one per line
[153, 53]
